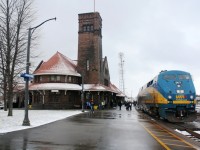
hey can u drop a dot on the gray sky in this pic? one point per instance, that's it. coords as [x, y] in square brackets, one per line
[154, 35]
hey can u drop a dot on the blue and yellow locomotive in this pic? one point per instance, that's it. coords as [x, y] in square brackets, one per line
[170, 95]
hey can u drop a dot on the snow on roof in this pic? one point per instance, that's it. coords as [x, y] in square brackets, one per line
[119, 93]
[96, 87]
[55, 86]
[114, 88]
[57, 64]
[100, 87]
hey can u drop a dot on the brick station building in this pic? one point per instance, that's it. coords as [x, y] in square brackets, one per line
[58, 82]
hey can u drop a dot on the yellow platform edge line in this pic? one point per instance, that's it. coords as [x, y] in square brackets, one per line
[174, 135]
[179, 145]
[159, 141]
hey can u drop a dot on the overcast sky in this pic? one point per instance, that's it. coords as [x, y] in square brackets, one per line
[154, 35]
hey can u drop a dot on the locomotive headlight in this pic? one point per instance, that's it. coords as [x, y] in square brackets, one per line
[169, 97]
[191, 97]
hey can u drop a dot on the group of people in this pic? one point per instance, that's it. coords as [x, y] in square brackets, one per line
[90, 105]
[127, 104]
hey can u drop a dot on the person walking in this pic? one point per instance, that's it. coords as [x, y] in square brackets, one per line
[120, 105]
[92, 105]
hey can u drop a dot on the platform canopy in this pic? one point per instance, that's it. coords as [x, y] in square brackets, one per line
[98, 87]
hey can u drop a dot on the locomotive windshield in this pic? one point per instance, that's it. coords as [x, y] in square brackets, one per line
[184, 77]
[173, 77]
[169, 77]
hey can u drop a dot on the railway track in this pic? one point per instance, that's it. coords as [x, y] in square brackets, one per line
[188, 129]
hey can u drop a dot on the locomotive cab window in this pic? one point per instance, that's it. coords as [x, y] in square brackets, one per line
[169, 77]
[184, 77]
[150, 83]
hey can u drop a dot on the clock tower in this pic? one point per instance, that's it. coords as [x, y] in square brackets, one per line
[90, 48]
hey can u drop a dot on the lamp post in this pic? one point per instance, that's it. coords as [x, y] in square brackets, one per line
[26, 121]
[82, 92]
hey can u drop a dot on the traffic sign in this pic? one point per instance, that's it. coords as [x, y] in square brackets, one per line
[26, 75]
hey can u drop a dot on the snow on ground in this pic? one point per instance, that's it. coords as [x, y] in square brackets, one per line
[36, 118]
[198, 108]
[183, 132]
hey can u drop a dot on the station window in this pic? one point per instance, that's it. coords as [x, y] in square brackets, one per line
[92, 27]
[65, 78]
[69, 78]
[88, 28]
[40, 78]
[52, 78]
[57, 78]
[84, 28]
[88, 65]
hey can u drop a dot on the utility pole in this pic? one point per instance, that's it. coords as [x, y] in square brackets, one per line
[121, 72]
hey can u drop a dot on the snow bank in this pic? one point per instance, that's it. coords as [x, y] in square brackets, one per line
[36, 117]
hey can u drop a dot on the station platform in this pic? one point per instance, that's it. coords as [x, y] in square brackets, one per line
[102, 130]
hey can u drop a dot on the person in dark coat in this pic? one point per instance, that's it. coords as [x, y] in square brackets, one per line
[130, 105]
[120, 105]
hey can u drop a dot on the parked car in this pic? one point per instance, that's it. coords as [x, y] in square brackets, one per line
[1, 105]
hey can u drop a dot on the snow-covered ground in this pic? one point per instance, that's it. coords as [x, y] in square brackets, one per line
[198, 108]
[36, 117]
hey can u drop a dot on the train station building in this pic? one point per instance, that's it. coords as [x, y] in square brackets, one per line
[59, 82]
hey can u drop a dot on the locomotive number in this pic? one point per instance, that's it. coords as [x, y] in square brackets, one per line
[180, 97]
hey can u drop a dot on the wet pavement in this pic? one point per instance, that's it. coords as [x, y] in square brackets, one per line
[103, 130]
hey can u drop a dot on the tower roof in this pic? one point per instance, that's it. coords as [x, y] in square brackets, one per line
[57, 64]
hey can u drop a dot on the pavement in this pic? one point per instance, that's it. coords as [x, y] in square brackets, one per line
[102, 130]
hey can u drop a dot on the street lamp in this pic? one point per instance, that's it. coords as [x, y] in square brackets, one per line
[26, 121]
[82, 92]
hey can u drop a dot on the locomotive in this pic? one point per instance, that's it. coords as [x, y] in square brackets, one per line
[169, 95]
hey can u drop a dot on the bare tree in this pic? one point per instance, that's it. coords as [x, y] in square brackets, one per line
[15, 16]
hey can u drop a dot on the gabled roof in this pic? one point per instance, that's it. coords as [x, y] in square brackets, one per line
[57, 64]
